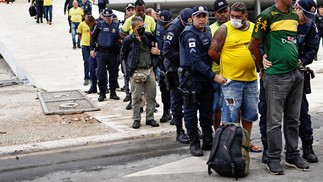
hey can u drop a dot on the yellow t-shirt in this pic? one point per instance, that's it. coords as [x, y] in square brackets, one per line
[215, 66]
[76, 14]
[149, 23]
[84, 30]
[236, 60]
[48, 2]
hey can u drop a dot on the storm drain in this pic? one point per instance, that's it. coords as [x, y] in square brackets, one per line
[65, 102]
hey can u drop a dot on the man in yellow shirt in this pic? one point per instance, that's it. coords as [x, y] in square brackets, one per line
[84, 34]
[76, 13]
[149, 22]
[229, 47]
[48, 9]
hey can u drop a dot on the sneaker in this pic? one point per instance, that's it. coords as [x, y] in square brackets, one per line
[152, 123]
[86, 82]
[136, 124]
[129, 106]
[79, 46]
[297, 162]
[50, 23]
[127, 98]
[101, 98]
[74, 46]
[275, 167]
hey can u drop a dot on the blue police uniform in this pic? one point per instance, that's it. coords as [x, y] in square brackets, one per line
[195, 60]
[308, 44]
[165, 94]
[107, 39]
[171, 63]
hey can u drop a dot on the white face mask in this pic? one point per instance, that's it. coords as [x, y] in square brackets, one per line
[236, 23]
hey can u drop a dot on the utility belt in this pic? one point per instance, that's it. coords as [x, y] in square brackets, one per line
[185, 87]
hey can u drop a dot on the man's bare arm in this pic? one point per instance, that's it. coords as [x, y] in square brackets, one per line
[217, 43]
[254, 48]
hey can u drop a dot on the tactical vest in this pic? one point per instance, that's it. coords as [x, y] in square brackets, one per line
[203, 37]
[109, 35]
[160, 36]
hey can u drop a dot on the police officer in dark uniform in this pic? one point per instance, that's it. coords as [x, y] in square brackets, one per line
[162, 23]
[171, 63]
[106, 36]
[196, 78]
[308, 44]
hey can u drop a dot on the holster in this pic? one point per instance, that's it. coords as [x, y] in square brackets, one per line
[308, 75]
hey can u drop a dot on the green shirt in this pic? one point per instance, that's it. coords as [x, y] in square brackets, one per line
[144, 55]
[278, 32]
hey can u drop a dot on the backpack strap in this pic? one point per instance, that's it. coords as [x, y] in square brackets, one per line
[215, 144]
[228, 141]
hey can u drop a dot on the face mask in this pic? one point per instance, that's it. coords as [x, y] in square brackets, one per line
[141, 31]
[236, 23]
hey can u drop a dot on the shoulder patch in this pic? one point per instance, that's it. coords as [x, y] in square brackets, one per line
[170, 36]
[191, 42]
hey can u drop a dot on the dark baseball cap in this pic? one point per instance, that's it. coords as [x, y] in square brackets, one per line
[107, 12]
[130, 5]
[165, 17]
[220, 5]
[200, 9]
[308, 7]
[186, 15]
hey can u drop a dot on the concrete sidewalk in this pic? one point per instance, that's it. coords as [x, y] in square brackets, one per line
[43, 55]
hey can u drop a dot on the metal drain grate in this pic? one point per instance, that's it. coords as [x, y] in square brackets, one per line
[65, 102]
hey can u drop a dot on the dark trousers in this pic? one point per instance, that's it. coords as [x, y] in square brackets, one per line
[165, 94]
[93, 77]
[305, 128]
[40, 11]
[176, 100]
[101, 6]
[86, 65]
[283, 98]
[203, 104]
[107, 61]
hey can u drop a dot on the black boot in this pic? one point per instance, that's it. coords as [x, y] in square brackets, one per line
[207, 138]
[181, 137]
[127, 98]
[166, 116]
[308, 153]
[195, 146]
[113, 95]
[264, 158]
[101, 97]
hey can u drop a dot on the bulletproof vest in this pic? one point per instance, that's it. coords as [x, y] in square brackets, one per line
[160, 36]
[204, 37]
[109, 35]
[176, 27]
[302, 32]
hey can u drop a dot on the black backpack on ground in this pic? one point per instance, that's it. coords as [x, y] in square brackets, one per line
[230, 153]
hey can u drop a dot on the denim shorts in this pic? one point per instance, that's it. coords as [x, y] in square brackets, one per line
[218, 97]
[245, 99]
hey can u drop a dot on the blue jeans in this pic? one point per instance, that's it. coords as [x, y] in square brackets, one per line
[48, 11]
[218, 97]
[284, 98]
[74, 26]
[240, 96]
[86, 55]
